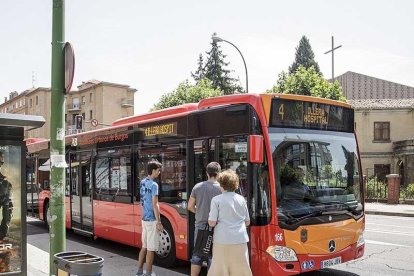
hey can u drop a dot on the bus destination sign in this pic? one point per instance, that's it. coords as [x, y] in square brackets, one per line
[164, 129]
[312, 115]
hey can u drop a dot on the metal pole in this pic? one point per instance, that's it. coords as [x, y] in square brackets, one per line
[57, 136]
[333, 60]
[244, 62]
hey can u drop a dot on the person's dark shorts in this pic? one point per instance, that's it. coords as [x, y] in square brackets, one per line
[198, 260]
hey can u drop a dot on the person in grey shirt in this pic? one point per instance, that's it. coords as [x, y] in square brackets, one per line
[229, 216]
[199, 203]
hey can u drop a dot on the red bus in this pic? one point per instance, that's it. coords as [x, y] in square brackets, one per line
[297, 158]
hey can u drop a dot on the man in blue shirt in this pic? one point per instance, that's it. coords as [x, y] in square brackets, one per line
[151, 220]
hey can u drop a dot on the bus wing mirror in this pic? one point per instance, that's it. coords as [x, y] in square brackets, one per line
[256, 154]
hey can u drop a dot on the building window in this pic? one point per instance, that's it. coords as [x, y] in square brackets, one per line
[66, 118]
[31, 103]
[381, 171]
[381, 131]
[90, 97]
[83, 115]
[83, 100]
[37, 100]
[75, 103]
[90, 115]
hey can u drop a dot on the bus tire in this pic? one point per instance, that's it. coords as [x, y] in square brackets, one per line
[165, 256]
[46, 213]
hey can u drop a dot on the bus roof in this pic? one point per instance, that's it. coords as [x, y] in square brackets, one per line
[261, 103]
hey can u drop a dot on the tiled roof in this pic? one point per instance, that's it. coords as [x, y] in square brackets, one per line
[382, 103]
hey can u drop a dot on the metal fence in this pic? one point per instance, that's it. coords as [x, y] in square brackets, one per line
[377, 188]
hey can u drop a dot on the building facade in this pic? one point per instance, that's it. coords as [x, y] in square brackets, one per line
[385, 131]
[104, 102]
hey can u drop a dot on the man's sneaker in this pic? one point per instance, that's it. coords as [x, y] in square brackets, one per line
[152, 274]
[140, 274]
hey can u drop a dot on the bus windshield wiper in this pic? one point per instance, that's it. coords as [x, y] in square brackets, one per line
[292, 220]
[345, 206]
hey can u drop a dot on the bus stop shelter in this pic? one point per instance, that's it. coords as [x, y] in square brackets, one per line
[13, 232]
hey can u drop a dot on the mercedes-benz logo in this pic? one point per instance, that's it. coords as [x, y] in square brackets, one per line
[331, 246]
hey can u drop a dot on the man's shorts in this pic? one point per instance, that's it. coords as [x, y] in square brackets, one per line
[150, 236]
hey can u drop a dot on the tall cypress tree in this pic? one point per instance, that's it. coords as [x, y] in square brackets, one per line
[304, 57]
[200, 73]
[215, 71]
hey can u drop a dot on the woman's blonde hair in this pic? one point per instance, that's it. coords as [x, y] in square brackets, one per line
[228, 180]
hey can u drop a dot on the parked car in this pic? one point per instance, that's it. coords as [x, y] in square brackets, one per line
[32, 196]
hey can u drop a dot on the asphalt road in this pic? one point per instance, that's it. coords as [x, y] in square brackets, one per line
[389, 250]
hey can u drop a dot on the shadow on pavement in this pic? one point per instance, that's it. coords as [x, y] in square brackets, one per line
[36, 227]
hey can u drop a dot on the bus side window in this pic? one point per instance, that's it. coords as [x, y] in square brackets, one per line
[261, 202]
[101, 177]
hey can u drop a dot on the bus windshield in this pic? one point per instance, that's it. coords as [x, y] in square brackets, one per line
[317, 174]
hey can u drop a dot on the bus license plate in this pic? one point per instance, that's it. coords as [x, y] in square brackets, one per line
[330, 262]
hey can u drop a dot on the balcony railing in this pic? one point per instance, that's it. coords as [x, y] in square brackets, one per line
[71, 129]
[73, 107]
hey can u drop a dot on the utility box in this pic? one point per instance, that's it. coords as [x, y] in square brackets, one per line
[13, 235]
[77, 263]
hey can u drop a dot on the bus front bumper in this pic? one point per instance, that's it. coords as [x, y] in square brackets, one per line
[311, 262]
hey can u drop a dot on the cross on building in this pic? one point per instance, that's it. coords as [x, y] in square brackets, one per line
[332, 51]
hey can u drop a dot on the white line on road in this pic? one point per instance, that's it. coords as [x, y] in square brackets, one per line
[368, 223]
[383, 217]
[389, 232]
[385, 243]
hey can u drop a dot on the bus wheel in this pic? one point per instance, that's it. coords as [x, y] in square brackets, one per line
[165, 256]
[46, 213]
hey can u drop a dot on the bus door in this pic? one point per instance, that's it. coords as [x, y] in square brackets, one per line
[81, 192]
[233, 155]
[199, 154]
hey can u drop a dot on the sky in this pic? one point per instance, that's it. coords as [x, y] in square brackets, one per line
[154, 45]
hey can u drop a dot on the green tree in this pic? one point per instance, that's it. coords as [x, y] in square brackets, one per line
[215, 70]
[307, 81]
[187, 93]
[200, 73]
[304, 57]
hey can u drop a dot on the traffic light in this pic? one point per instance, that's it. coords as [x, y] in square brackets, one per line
[78, 121]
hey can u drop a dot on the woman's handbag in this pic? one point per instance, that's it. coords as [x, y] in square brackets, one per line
[204, 243]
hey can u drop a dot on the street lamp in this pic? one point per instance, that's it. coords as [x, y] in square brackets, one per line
[218, 39]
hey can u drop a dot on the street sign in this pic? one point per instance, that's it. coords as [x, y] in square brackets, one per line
[69, 66]
[94, 122]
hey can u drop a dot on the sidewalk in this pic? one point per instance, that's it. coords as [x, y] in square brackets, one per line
[403, 210]
[37, 261]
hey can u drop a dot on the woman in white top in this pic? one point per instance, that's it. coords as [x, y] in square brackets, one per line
[229, 217]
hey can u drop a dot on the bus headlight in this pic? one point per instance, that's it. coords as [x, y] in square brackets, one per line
[361, 240]
[282, 254]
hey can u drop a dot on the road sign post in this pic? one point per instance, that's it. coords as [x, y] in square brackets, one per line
[57, 137]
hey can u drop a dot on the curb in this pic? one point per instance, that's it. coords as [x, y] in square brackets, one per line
[371, 212]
